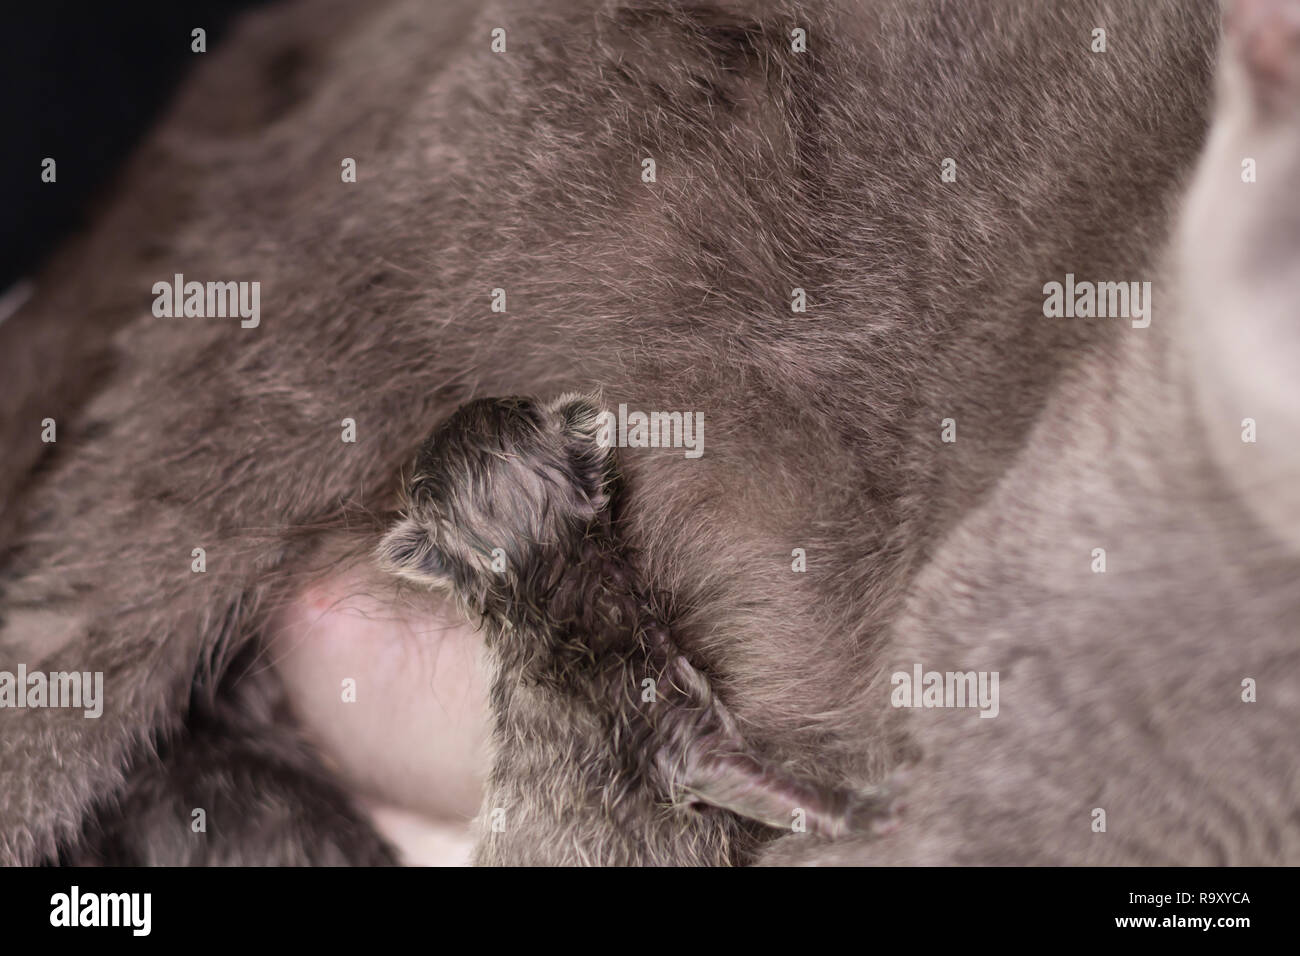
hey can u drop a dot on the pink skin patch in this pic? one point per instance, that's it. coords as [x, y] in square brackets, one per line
[395, 696]
[1266, 36]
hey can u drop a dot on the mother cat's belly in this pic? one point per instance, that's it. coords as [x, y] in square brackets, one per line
[395, 695]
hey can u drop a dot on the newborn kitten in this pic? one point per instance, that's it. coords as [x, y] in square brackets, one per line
[610, 747]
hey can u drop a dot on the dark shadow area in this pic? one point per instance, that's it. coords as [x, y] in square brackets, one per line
[82, 83]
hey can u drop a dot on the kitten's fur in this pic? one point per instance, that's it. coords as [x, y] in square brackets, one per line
[775, 170]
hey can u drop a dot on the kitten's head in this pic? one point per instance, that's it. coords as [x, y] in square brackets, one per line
[501, 497]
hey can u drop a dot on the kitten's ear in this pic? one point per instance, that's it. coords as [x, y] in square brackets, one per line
[580, 417]
[408, 551]
[730, 779]
[702, 759]
[589, 433]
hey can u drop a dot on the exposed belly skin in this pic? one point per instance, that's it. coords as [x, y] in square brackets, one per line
[412, 740]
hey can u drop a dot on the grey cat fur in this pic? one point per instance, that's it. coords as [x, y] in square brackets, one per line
[775, 170]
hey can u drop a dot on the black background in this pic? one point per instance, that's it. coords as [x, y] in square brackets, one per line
[82, 81]
[752, 911]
